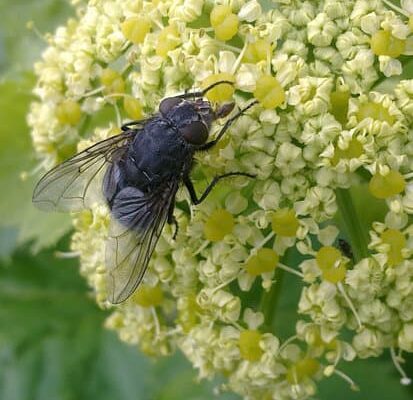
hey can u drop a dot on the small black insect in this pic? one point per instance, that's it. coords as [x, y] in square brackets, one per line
[138, 172]
[345, 248]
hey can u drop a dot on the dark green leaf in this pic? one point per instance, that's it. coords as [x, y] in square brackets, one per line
[377, 378]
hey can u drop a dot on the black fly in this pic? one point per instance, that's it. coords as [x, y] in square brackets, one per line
[139, 172]
[345, 248]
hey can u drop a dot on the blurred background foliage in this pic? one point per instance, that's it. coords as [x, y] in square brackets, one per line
[52, 341]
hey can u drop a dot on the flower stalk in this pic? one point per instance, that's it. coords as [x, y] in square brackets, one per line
[352, 224]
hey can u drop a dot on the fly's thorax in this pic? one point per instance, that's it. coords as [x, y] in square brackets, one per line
[158, 153]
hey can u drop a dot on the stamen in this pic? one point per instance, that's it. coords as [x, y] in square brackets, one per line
[223, 284]
[269, 61]
[338, 355]
[92, 92]
[237, 325]
[342, 375]
[27, 174]
[66, 254]
[30, 25]
[114, 95]
[239, 59]
[260, 245]
[118, 117]
[125, 46]
[404, 380]
[395, 8]
[265, 240]
[350, 304]
[290, 270]
[157, 325]
[202, 247]
[158, 24]
[329, 370]
[172, 332]
[229, 47]
[286, 343]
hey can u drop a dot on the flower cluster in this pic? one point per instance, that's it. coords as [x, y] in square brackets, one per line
[330, 142]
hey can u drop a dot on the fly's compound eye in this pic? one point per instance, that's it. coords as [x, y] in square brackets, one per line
[168, 104]
[195, 133]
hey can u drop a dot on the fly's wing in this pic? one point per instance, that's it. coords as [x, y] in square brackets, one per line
[137, 222]
[77, 183]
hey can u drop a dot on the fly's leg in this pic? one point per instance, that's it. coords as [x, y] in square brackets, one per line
[227, 124]
[202, 93]
[190, 186]
[172, 220]
[126, 127]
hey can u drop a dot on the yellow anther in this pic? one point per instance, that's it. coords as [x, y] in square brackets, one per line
[68, 112]
[257, 51]
[132, 107]
[136, 28]
[219, 224]
[168, 40]
[375, 111]
[188, 315]
[112, 81]
[397, 241]
[284, 222]
[354, 150]
[224, 22]
[147, 296]
[265, 260]
[339, 105]
[222, 92]
[384, 186]
[327, 257]
[329, 260]
[383, 43]
[307, 367]
[269, 92]
[249, 345]
[335, 275]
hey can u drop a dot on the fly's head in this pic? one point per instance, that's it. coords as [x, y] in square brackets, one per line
[193, 118]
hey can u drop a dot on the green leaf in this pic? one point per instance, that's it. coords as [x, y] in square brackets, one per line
[53, 345]
[20, 47]
[16, 209]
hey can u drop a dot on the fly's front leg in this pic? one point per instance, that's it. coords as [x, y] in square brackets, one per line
[202, 93]
[227, 124]
[190, 186]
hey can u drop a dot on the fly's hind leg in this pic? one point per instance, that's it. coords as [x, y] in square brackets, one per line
[190, 186]
[172, 220]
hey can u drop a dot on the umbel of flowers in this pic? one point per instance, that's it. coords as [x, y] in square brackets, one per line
[330, 143]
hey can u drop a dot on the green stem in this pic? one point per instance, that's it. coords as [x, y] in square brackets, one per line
[352, 224]
[269, 300]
